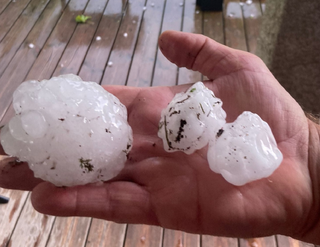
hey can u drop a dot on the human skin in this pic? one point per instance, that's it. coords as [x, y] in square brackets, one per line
[179, 191]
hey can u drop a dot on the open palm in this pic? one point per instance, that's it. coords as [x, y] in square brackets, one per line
[179, 191]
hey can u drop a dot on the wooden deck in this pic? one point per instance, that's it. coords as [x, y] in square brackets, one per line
[40, 38]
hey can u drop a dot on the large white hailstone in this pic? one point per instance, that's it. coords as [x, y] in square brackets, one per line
[70, 132]
[190, 119]
[245, 150]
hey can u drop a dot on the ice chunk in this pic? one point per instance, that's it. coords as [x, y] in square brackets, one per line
[245, 150]
[69, 131]
[190, 119]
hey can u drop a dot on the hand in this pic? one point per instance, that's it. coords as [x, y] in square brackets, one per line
[179, 191]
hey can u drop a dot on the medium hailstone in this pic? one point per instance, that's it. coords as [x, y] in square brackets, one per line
[245, 150]
[69, 131]
[242, 151]
[188, 120]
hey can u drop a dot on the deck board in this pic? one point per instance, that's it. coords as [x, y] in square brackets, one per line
[9, 17]
[124, 33]
[23, 60]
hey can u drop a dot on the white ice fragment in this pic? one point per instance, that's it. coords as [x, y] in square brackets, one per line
[125, 35]
[245, 150]
[31, 46]
[98, 38]
[181, 4]
[241, 3]
[231, 14]
[70, 132]
[144, 8]
[190, 119]
[110, 64]
[152, 4]
[197, 11]
[249, 2]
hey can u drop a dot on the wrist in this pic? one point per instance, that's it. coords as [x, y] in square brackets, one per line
[312, 228]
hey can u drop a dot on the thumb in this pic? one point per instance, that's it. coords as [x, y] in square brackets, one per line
[200, 53]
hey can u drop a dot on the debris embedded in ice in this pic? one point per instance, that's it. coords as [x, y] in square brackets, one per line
[245, 151]
[70, 132]
[189, 118]
[242, 151]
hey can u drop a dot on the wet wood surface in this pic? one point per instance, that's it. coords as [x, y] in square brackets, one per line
[118, 46]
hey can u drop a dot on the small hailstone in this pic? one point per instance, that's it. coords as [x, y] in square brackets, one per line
[31, 46]
[98, 38]
[249, 2]
[245, 150]
[241, 3]
[181, 4]
[252, 15]
[125, 35]
[143, 239]
[144, 8]
[152, 4]
[231, 15]
[70, 132]
[62, 65]
[197, 12]
[110, 64]
[188, 120]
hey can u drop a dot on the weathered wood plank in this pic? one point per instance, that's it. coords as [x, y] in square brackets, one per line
[12, 41]
[100, 48]
[105, 233]
[252, 20]
[9, 213]
[284, 241]
[180, 239]
[123, 49]
[49, 57]
[143, 236]
[75, 52]
[211, 241]
[32, 228]
[213, 26]
[8, 18]
[71, 232]
[259, 242]
[20, 65]
[192, 23]
[4, 4]
[144, 58]
[165, 73]
[234, 25]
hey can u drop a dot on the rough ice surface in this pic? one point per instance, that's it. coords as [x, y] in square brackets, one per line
[188, 120]
[69, 131]
[245, 150]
